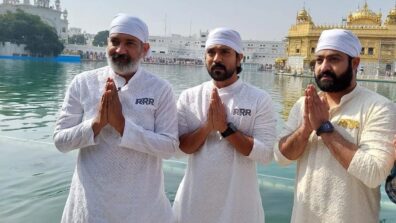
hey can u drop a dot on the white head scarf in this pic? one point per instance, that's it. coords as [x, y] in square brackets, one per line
[130, 25]
[225, 36]
[341, 40]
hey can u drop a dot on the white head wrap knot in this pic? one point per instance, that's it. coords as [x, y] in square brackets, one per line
[341, 40]
[130, 25]
[225, 36]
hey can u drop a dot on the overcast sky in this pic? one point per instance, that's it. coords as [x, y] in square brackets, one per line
[254, 19]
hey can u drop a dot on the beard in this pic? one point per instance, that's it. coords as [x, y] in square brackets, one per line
[219, 72]
[122, 63]
[336, 84]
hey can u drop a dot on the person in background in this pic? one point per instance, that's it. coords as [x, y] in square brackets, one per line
[121, 119]
[340, 137]
[390, 184]
[226, 126]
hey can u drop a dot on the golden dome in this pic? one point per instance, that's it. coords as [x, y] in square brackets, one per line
[302, 13]
[303, 16]
[391, 18]
[365, 16]
[393, 12]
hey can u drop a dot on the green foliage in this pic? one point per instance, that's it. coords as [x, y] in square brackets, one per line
[22, 28]
[100, 38]
[78, 39]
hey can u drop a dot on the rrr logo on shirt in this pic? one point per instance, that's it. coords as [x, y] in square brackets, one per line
[144, 101]
[242, 112]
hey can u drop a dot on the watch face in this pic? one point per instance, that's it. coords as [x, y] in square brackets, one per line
[325, 127]
[328, 126]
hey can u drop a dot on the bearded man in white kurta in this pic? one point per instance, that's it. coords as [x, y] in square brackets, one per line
[225, 125]
[122, 120]
[341, 138]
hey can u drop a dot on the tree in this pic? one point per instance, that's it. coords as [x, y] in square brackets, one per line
[100, 38]
[78, 39]
[23, 28]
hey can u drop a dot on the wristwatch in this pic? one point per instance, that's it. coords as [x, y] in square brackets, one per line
[325, 127]
[231, 129]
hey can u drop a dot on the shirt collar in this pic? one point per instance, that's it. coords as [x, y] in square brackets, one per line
[230, 88]
[347, 97]
[120, 81]
[350, 95]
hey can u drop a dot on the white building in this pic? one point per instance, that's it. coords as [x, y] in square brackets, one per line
[177, 49]
[263, 52]
[193, 47]
[50, 14]
[74, 31]
[177, 46]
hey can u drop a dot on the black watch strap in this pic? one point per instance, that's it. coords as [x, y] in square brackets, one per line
[231, 129]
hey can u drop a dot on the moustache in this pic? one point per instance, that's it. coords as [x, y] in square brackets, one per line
[217, 66]
[117, 56]
[327, 74]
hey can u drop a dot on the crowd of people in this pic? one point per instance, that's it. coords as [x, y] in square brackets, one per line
[124, 120]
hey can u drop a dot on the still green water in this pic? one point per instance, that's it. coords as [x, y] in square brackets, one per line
[35, 176]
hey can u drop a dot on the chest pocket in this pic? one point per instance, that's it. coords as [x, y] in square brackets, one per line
[349, 128]
[141, 111]
[243, 117]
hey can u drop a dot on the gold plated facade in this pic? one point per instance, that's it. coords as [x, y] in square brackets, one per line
[378, 39]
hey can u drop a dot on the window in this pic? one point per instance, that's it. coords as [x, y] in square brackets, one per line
[370, 51]
[313, 50]
[362, 51]
[297, 50]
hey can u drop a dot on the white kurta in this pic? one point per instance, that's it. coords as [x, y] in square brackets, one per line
[118, 179]
[220, 184]
[327, 192]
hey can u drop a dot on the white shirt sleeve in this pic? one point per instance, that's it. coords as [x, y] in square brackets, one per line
[293, 122]
[181, 113]
[71, 132]
[264, 132]
[163, 141]
[182, 121]
[373, 160]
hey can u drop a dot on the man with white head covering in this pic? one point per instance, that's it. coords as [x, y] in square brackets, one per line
[225, 126]
[340, 137]
[121, 119]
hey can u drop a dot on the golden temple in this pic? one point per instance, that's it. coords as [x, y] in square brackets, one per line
[378, 39]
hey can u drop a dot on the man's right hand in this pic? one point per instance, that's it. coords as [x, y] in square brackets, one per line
[306, 128]
[318, 108]
[217, 112]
